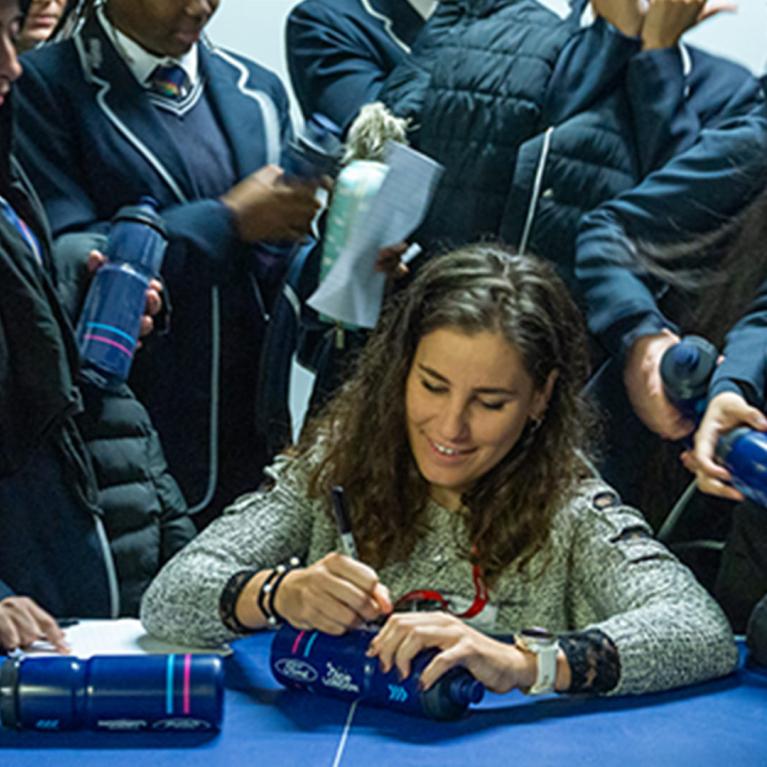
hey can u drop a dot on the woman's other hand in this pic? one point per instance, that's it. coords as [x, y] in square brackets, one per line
[499, 666]
[725, 412]
[333, 595]
[23, 621]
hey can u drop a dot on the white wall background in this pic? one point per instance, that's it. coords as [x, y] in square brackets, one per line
[256, 29]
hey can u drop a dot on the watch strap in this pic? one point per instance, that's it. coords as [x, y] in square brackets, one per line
[546, 673]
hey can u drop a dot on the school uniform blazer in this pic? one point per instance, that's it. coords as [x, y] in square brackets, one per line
[92, 141]
[340, 52]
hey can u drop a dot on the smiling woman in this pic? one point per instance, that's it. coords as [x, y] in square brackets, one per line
[461, 441]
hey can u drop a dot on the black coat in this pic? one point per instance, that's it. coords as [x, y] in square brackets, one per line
[88, 511]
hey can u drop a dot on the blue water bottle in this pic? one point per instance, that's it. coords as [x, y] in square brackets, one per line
[114, 693]
[108, 330]
[686, 369]
[743, 452]
[338, 667]
[315, 152]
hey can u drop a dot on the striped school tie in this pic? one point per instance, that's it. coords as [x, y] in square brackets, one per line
[169, 81]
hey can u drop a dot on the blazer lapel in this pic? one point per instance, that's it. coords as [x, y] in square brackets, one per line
[126, 105]
[247, 115]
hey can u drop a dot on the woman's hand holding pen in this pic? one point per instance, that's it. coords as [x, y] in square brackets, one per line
[333, 595]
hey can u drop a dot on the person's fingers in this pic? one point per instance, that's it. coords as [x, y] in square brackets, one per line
[362, 603]
[360, 574]
[440, 664]
[153, 302]
[412, 643]
[383, 598]
[712, 9]
[95, 259]
[48, 628]
[146, 325]
[711, 486]
[9, 636]
[19, 611]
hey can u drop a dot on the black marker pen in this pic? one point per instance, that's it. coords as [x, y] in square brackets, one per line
[338, 499]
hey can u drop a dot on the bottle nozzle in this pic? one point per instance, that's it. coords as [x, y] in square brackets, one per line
[465, 690]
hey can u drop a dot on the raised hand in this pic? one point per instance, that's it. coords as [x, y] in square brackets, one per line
[667, 20]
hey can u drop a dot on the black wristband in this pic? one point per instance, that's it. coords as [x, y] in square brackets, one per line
[230, 594]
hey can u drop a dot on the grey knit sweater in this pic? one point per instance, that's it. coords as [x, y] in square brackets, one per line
[602, 570]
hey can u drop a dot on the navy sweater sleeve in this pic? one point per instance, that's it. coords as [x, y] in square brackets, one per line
[693, 193]
[337, 62]
[744, 368]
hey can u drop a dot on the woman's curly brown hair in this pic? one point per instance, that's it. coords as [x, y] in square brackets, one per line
[362, 432]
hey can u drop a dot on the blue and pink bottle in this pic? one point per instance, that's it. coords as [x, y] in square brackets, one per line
[338, 667]
[113, 693]
[108, 330]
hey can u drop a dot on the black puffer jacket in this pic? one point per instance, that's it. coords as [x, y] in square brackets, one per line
[88, 511]
[539, 118]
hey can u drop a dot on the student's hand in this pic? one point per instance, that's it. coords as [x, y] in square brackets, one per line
[333, 595]
[23, 621]
[625, 15]
[667, 20]
[266, 207]
[499, 666]
[388, 261]
[644, 387]
[725, 412]
[96, 259]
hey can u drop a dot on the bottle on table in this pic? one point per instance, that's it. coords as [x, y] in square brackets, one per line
[339, 667]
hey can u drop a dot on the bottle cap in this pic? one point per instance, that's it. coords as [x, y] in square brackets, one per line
[144, 212]
[686, 369]
[465, 690]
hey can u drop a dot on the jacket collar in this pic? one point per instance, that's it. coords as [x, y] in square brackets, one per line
[401, 19]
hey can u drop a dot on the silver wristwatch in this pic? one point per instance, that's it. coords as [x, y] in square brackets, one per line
[544, 645]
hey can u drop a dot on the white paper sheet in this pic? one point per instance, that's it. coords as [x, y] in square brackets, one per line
[352, 291]
[125, 636]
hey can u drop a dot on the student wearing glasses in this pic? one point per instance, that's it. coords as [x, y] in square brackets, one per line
[461, 441]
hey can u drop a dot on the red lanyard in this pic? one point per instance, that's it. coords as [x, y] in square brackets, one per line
[430, 595]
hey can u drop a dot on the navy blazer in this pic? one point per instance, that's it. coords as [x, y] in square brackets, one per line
[340, 52]
[92, 141]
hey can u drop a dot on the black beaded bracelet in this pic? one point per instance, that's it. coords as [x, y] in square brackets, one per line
[268, 591]
[263, 591]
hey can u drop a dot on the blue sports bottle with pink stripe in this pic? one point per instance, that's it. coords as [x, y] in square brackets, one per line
[338, 666]
[108, 330]
[115, 693]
